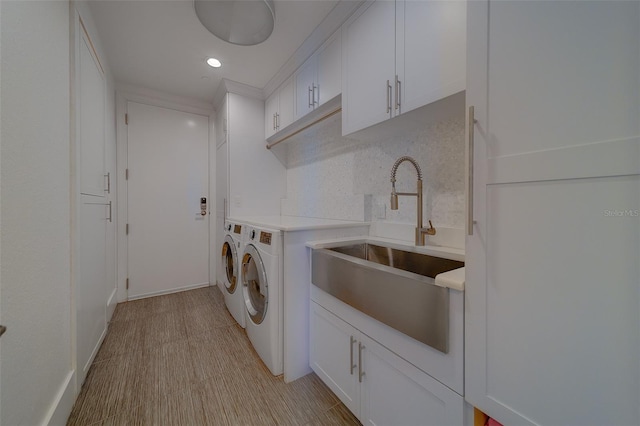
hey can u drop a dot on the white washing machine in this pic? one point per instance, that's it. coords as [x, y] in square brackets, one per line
[232, 249]
[262, 270]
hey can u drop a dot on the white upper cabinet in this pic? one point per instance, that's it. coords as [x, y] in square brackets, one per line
[430, 51]
[552, 292]
[398, 56]
[319, 79]
[279, 107]
[330, 69]
[306, 87]
[368, 66]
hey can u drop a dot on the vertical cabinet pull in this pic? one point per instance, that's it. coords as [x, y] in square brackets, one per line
[388, 97]
[472, 122]
[351, 364]
[309, 94]
[277, 121]
[274, 121]
[110, 219]
[398, 92]
[314, 96]
[360, 371]
[108, 176]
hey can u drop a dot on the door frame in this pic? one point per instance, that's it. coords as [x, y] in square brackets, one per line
[124, 95]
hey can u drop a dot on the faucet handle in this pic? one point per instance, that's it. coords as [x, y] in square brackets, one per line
[431, 230]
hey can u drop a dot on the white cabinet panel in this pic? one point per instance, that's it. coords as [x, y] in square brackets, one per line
[552, 323]
[286, 104]
[91, 298]
[306, 89]
[271, 107]
[222, 123]
[569, 84]
[333, 349]
[430, 50]
[395, 392]
[90, 116]
[368, 61]
[330, 69]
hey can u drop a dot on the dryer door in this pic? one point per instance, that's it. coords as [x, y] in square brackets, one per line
[254, 284]
[229, 262]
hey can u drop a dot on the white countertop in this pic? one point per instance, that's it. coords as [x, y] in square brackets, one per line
[295, 223]
[454, 279]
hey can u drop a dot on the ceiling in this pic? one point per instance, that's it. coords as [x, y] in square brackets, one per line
[161, 45]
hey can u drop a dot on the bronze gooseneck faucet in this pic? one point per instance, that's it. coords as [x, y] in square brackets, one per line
[420, 230]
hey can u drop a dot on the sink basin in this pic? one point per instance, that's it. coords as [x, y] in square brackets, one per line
[396, 287]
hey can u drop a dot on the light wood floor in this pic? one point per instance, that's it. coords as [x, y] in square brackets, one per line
[181, 359]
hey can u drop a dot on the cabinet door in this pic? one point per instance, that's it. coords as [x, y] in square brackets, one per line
[552, 325]
[306, 88]
[395, 392]
[368, 62]
[430, 51]
[333, 355]
[91, 98]
[286, 104]
[330, 69]
[270, 111]
[91, 285]
[221, 123]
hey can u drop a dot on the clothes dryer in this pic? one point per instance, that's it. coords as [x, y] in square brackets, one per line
[262, 275]
[232, 249]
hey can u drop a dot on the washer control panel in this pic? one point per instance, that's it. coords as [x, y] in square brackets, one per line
[265, 238]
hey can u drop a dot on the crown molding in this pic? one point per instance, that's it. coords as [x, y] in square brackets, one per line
[230, 86]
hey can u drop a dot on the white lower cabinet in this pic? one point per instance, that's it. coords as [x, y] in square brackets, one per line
[378, 386]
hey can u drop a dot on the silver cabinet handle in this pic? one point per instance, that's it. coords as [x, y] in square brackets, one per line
[314, 95]
[103, 204]
[277, 121]
[108, 176]
[388, 97]
[274, 122]
[360, 372]
[351, 364]
[398, 92]
[472, 122]
[309, 92]
[2, 329]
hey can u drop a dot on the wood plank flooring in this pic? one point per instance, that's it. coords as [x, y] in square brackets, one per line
[181, 359]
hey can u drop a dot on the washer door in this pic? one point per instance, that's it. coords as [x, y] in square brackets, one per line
[229, 259]
[254, 285]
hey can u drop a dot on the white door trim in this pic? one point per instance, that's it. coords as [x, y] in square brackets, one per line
[125, 94]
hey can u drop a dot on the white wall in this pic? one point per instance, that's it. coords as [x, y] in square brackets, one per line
[256, 177]
[35, 277]
[324, 165]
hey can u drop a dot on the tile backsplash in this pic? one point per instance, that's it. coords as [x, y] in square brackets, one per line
[338, 177]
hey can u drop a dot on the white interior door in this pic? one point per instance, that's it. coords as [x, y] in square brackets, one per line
[168, 174]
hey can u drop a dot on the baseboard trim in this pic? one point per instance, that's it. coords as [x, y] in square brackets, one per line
[63, 402]
[85, 368]
[111, 304]
[170, 291]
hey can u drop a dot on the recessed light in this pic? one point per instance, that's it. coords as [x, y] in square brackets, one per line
[213, 62]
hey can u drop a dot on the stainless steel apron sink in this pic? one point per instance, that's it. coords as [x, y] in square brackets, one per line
[395, 287]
